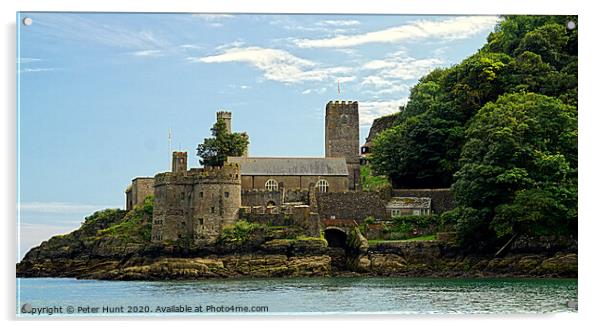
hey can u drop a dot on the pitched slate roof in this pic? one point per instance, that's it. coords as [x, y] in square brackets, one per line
[409, 203]
[291, 166]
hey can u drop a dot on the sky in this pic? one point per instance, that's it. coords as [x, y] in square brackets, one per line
[98, 93]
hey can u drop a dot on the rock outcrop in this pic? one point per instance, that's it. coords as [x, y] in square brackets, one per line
[113, 245]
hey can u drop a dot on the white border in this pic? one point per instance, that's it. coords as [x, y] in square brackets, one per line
[589, 134]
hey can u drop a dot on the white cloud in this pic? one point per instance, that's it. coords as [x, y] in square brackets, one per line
[59, 207]
[448, 29]
[85, 29]
[370, 110]
[376, 85]
[39, 69]
[338, 22]
[213, 20]
[276, 64]
[346, 79]
[395, 73]
[404, 68]
[148, 53]
[213, 17]
[190, 46]
[306, 91]
[233, 44]
[26, 60]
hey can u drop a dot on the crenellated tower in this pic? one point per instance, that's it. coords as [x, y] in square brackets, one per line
[227, 117]
[342, 137]
[195, 204]
[216, 200]
[179, 162]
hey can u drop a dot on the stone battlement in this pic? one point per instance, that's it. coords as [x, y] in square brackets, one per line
[229, 172]
[342, 105]
[173, 178]
[224, 114]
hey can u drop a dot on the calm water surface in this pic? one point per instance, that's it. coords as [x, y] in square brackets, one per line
[302, 295]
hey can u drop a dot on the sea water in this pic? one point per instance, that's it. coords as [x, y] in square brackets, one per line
[43, 297]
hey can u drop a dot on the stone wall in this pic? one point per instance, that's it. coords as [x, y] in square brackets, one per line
[442, 199]
[296, 217]
[259, 197]
[293, 182]
[351, 205]
[381, 124]
[297, 196]
[141, 188]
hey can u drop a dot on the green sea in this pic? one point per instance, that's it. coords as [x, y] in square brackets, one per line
[44, 297]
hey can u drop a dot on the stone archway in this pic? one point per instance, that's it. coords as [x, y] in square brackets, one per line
[336, 238]
[337, 247]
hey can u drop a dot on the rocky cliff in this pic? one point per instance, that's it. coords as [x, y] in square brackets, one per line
[114, 245]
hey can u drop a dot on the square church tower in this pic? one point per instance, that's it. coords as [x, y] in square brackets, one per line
[342, 137]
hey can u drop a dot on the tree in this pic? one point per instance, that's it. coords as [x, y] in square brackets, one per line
[417, 152]
[215, 151]
[518, 168]
[424, 148]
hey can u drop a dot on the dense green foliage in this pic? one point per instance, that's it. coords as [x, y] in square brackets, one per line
[518, 169]
[239, 232]
[371, 182]
[135, 226]
[101, 219]
[214, 151]
[501, 127]
[405, 227]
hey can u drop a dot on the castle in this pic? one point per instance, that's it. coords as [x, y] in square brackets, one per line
[197, 203]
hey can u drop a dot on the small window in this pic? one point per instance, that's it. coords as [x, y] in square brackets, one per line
[227, 194]
[322, 185]
[201, 194]
[183, 223]
[200, 221]
[212, 209]
[344, 119]
[179, 236]
[395, 212]
[271, 185]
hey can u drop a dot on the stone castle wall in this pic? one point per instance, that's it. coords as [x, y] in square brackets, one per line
[351, 205]
[292, 182]
[260, 197]
[289, 216]
[381, 124]
[140, 188]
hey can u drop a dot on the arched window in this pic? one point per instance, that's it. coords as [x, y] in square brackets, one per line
[322, 185]
[271, 185]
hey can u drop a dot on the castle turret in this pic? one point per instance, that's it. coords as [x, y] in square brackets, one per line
[218, 200]
[227, 117]
[196, 206]
[179, 162]
[342, 137]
